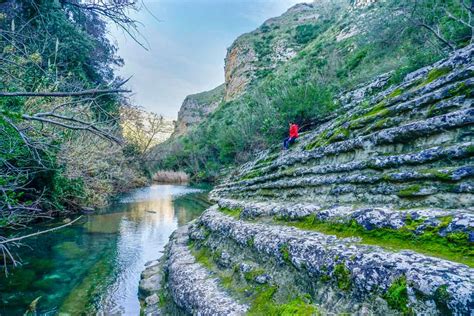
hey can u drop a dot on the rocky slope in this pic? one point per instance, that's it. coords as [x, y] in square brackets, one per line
[371, 213]
[254, 55]
[196, 107]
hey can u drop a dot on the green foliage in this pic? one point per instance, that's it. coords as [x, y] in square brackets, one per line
[397, 296]
[304, 88]
[353, 62]
[211, 96]
[262, 48]
[56, 47]
[61, 191]
[305, 33]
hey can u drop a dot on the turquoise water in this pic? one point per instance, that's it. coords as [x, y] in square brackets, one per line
[94, 265]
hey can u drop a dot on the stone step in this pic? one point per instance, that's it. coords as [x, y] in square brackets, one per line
[387, 114]
[453, 174]
[417, 158]
[151, 282]
[443, 221]
[192, 286]
[396, 195]
[407, 108]
[371, 269]
[407, 133]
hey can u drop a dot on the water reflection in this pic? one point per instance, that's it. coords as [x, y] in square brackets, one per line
[95, 266]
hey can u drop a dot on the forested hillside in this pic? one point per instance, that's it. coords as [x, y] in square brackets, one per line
[61, 145]
[294, 66]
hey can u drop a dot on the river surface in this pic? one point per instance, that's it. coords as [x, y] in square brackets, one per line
[94, 265]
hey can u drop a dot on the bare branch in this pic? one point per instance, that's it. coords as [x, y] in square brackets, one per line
[437, 34]
[63, 94]
[16, 239]
[81, 125]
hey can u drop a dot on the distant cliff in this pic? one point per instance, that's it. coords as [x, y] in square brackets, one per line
[254, 55]
[196, 107]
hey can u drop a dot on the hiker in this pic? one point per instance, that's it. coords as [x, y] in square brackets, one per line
[292, 137]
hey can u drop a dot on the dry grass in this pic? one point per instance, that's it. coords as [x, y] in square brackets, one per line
[167, 176]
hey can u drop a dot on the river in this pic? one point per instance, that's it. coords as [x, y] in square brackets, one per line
[94, 265]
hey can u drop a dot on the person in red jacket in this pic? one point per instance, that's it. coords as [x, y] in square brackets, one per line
[292, 137]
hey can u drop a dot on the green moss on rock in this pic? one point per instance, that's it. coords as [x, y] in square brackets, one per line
[320, 140]
[461, 89]
[395, 93]
[410, 191]
[264, 304]
[430, 242]
[397, 296]
[266, 193]
[252, 174]
[435, 74]
[285, 254]
[342, 276]
[252, 274]
[234, 212]
[339, 135]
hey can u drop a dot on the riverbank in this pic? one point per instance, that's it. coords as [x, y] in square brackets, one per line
[94, 265]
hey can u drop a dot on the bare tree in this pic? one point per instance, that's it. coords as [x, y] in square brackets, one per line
[430, 15]
[143, 129]
[117, 11]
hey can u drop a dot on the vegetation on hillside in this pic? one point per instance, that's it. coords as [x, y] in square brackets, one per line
[340, 50]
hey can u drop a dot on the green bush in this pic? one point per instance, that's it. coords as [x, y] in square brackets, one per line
[305, 33]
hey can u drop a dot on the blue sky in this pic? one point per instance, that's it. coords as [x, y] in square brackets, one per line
[187, 46]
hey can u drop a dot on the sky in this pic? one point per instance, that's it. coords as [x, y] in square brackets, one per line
[187, 41]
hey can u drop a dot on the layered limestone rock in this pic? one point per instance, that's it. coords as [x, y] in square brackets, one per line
[192, 287]
[196, 107]
[370, 214]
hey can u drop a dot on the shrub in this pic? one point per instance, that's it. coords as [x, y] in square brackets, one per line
[305, 33]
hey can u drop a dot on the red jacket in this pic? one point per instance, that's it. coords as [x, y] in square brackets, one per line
[294, 131]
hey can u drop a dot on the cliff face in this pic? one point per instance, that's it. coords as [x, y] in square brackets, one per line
[251, 57]
[254, 55]
[197, 107]
[371, 213]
